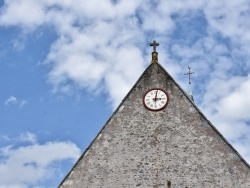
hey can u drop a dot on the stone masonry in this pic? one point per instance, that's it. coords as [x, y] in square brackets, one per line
[176, 147]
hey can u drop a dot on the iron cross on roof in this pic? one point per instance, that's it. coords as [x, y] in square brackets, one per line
[189, 74]
[154, 44]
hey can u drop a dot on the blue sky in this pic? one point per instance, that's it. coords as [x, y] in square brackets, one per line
[65, 66]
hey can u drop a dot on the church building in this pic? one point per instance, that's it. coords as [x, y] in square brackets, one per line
[158, 138]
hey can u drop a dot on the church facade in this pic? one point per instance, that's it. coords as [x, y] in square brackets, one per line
[158, 138]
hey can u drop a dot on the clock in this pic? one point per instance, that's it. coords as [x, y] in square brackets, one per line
[155, 99]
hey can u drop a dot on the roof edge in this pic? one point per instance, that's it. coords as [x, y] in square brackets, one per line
[114, 112]
[213, 127]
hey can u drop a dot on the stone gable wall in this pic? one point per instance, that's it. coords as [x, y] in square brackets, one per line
[141, 148]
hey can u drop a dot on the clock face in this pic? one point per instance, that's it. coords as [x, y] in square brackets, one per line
[155, 99]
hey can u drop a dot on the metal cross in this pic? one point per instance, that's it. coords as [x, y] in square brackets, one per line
[154, 44]
[189, 74]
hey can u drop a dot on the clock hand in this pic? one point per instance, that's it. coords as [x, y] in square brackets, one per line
[155, 99]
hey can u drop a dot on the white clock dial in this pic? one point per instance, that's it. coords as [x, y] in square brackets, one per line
[155, 99]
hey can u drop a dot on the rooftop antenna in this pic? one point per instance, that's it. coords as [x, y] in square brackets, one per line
[190, 89]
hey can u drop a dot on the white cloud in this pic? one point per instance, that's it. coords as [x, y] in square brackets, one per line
[236, 105]
[5, 137]
[22, 137]
[15, 101]
[88, 42]
[11, 100]
[29, 165]
[102, 46]
[21, 15]
[28, 137]
[22, 102]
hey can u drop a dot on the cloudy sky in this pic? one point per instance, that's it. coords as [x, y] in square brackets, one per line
[66, 65]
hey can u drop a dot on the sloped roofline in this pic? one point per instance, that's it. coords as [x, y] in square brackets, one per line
[86, 150]
[115, 111]
[213, 127]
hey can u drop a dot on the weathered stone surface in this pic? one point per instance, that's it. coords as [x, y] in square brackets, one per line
[141, 148]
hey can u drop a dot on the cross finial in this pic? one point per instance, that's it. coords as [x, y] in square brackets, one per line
[154, 44]
[189, 74]
[190, 90]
